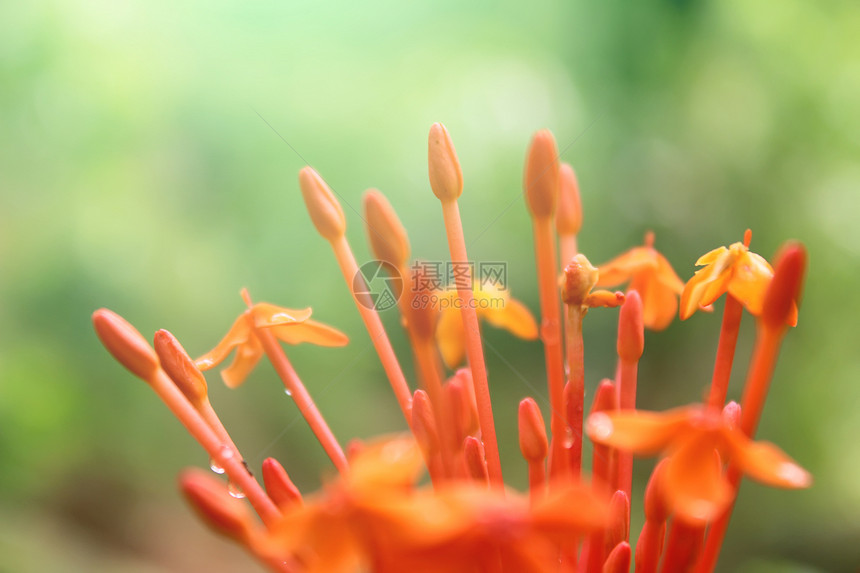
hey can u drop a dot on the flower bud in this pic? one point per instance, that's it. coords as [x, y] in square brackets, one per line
[216, 507]
[631, 330]
[476, 464]
[387, 236]
[541, 181]
[446, 179]
[424, 424]
[783, 294]
[568, 215]
[180, 367]
[533, 440]
[580, 276]
[278, 484]
[125, 343]
[323, 207]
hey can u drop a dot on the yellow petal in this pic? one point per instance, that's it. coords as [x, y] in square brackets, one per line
[711, 256]
[451, 337]
[751, 277]
[309, 331]
[236, 336]
[514, 317]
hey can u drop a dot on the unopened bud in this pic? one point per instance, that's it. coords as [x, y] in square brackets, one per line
[533, 440]
[424, 424]
[125, 343]
[568, 215]
[619, 520]
[323, 206]
[542, 175]
[783, 294]
[387, 236]
[618, 560]
[446, 179]
[180, 367]
[216, 507]
[580, 276]
[278, 484]
[656, 509]
[631, 330]
[476, 464]
[732, 414]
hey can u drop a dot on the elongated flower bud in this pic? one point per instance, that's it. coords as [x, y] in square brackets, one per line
[125, 343]
[386, 233]
[424, 424]
[533, 440]
[446, 179]
[656, 509]
[631, 330]
[541, 177]
[568, 215]
[278, 484]
[619, 559]
[619, 520]
[216, 507]
[476, 464]
[786, 285]
[580, 276]
[180, 367]
[323, 206]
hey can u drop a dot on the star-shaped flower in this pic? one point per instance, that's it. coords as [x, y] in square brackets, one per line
[649, 274]
[288, 325]
[698, 441]
[494, 305]
[733, 269]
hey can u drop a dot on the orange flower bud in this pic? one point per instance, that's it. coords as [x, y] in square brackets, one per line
[387, 236]
[278, 484]
[631, 330]
[125, 343]
[424, 424]
[533, 440]
[619, 520]
[446, 179]
[568, 216]
[323, 206]
[785, 288]
[619, 559]
[580, 276]
[541, 181]
[216, 507]
[476, 464]
[180, 367]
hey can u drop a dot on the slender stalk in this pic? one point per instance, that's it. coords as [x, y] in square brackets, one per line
[732, 313]
[349, 269]
[567, 247]
[474, 346]
[547, 275]
[576, 389]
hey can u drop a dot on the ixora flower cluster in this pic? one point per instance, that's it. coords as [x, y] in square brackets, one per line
[374, 514]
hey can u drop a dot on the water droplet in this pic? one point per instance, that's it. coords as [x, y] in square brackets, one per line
[288, 392]
[213, 465]
[235, 491]
[568, 438]
[226, 452]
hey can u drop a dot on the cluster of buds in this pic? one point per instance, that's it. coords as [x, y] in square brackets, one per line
[374, 513]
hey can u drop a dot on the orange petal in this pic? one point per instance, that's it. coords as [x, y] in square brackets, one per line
[692, 482]
[247, 356]
[711, 256]
[765, 462]
[604, 298]
[659, 303]
[266, 314]
[387, 464]
[624, 266]
[638, 432]
[237, 335]
[667, 275]
[551, 515]
[310, 331]
[451, 337]
[514, 317]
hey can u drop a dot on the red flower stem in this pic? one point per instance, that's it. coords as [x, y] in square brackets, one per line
[683, 546]
[303, 399]
[732, 313]
[474, 346]
[349, 269]
[537, 479]
[219, 452]
[627, 379]
[550, 307]
[758, 381]
[576, 391]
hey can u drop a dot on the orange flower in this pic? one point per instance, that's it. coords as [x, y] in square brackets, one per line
[649, 274]
[494, 305]
[697, 441]
[373, 516]
[736, 270]
[288, 325]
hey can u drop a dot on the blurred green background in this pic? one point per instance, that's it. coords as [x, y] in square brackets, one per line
[142, 168]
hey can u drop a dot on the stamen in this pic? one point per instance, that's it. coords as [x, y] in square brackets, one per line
[447, 183]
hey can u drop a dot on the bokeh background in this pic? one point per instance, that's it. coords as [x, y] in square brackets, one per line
[148, 160]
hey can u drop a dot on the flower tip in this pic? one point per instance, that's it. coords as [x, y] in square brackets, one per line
[180, 367]
[125, 343]
[533, 440]
[278, 484]
[386, 233]
[783, 294]
[568, 216]
[631, 329]
[446, 178]
[216, 507]
[794, 476]
[580, 276]
[542, 175]
[599, 427]
[324, 209]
